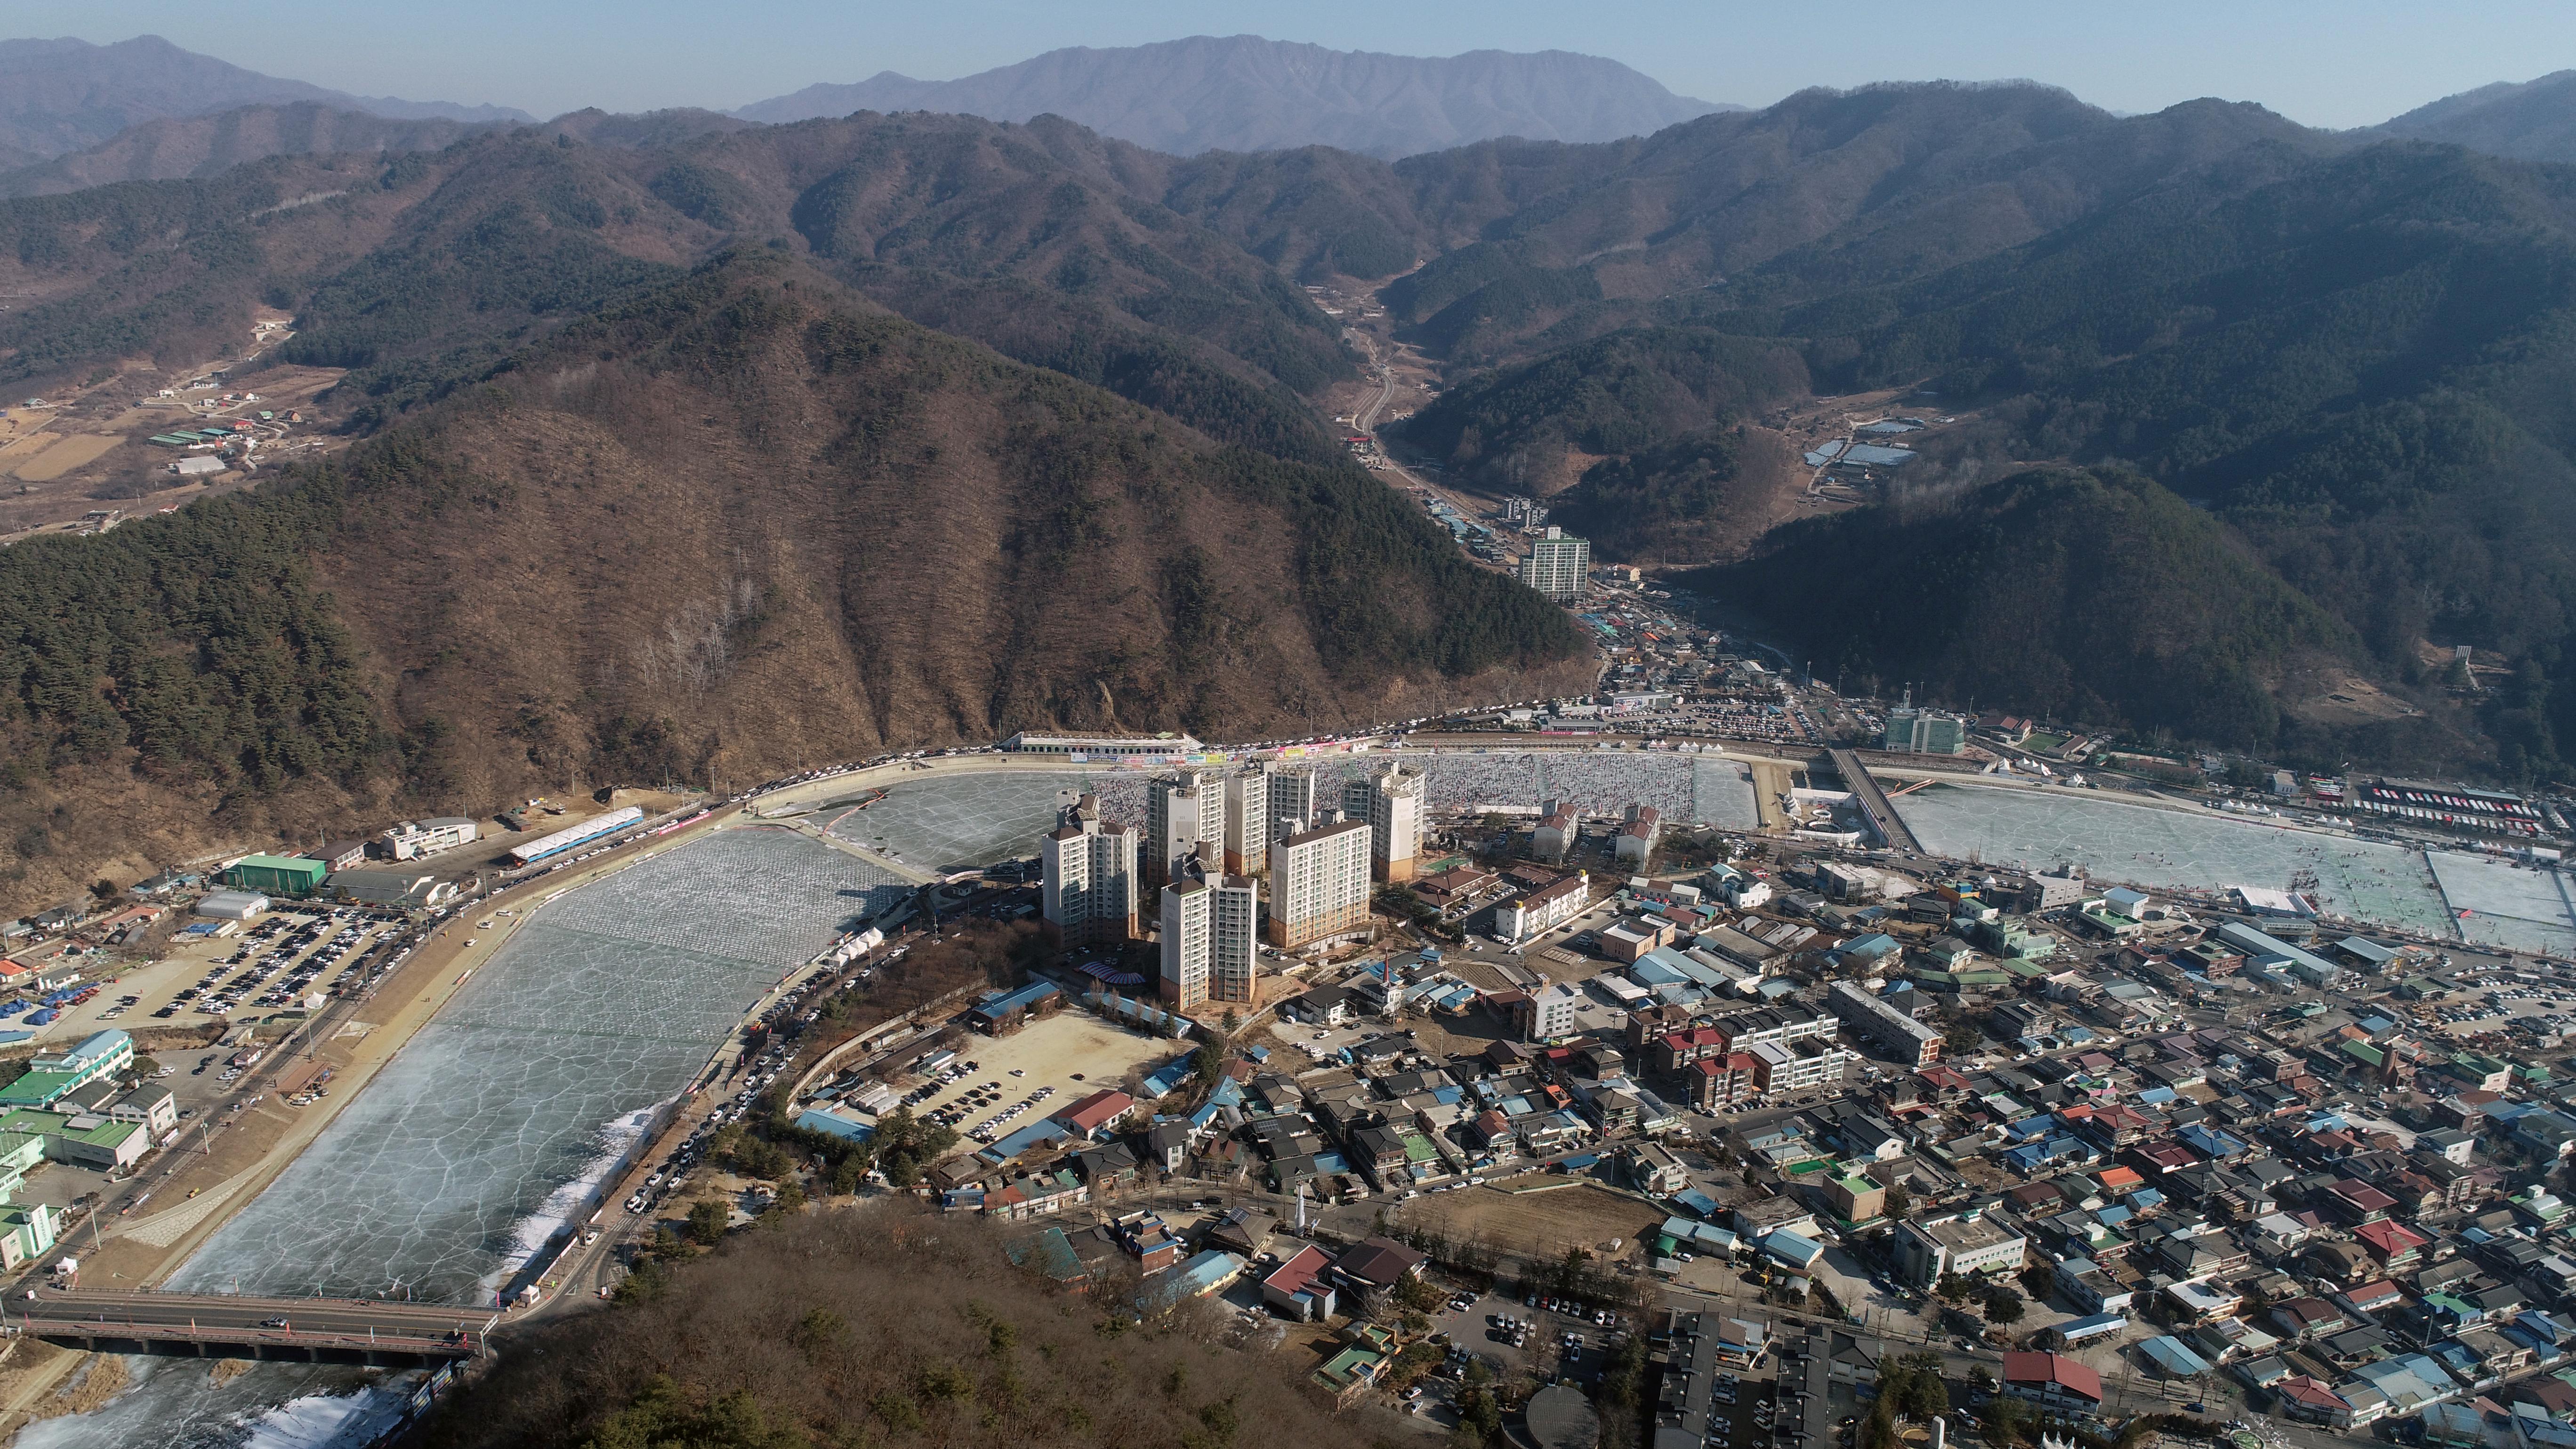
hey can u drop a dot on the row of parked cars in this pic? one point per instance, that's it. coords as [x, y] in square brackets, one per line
[986, 1130]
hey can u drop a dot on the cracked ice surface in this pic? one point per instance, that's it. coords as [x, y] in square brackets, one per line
[954, 821]
[2147, 846]
[439, 1175]
[2509, 905]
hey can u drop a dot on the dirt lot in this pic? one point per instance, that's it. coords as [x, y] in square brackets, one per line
[1541, 1222]
[72, 450]
[1049, 1054]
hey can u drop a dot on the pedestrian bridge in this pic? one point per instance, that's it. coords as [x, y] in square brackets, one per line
[222, 1325]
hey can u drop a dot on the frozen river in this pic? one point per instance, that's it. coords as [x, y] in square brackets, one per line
[2507, 905]
[470, 1147]
[2504, 904]
[950, 822]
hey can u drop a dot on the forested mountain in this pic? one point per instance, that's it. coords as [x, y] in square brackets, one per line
[1510, 430]
[1824, 191]
[167, 148]
[1244, 93]
[68, 95]
[763, 521]
[2363, 365]
[2355, 359]
[606, 340]
[171, 148]
[2352, 358]
[2081, 595]
[2532, 120]
[1043, 240]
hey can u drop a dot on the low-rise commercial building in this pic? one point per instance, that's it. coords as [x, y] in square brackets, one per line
[233, 905]
[1874, 1021]
[1544, 909]
[1103, 746]
[1547, 1012]
[275, 875]
[2054, 1382]
[50, 1076]
[1963, 1243]
[413, 839]
[1638, 835]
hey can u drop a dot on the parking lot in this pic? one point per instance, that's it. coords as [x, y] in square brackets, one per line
[1541, 1336]
[200, 981]
[1019, 1079]
[281, 963]
[2478, 1008]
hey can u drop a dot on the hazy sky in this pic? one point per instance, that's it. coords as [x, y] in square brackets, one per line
[2346, 63]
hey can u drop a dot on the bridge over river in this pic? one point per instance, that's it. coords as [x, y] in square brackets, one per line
[1873, 802]
[221, 1325]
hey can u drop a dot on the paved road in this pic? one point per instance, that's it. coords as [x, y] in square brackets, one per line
[220, 1312]
[1873, 800]
[1366, 418]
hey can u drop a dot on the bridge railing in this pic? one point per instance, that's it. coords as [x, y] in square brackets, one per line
[464, 1345]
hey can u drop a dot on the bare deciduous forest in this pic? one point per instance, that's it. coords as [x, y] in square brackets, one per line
[883, 1325]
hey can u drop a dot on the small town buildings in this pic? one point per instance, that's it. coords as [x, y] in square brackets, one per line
[1966, 1243]
[414, 839]
[2053, 1382]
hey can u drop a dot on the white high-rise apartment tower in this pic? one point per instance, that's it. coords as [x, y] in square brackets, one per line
[1295, 798]
[1319, 883]
[1209, 923]
[1557, 564]
[1247, 819]
[1389, 797]
[1088, 893]
[1183, 811]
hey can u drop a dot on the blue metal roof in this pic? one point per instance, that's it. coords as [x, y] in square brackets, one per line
[834, 1124]
[1203, 1274]
[1168, 1078]
[2076, 1330]
[2169, 1354]
[1795, 1249]
[1029, 995]
[1024, 1139]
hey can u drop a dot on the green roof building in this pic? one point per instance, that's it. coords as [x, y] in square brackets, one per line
[100, 1054]
[1350, 1371]
[90, 1140]
[276, 875]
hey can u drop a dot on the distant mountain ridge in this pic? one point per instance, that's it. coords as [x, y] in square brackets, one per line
[173, 147]
[2532, 120]
[1245, 93]
[167, 148]
[58, 96]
